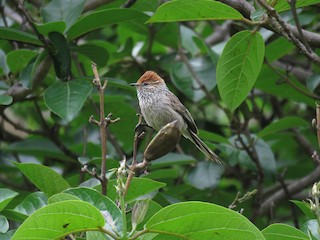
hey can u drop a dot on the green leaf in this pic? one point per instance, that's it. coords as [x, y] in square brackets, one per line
[6, 195]
[210, 136]
[60, 53]
[7, 236]
[60, 197]
[206, 175]
[239, 67]
[199, 220]
[282, 5]
[29, 205]
[66, 98]
[46, 28]
[183, 80]
[40, 175]
[103, 203]
[313, 83]
[63, 10]
[19, 36]
[92, 21]
[280, 231]
[18, 59]
[4, 224]
[282, 124]
[138, 188]
[191, 10]
[5, 100]
[97, 54]
[305, 208]
[60, 219]
[163, 174]
[278, 48]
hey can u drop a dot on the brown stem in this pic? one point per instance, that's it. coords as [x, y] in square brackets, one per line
[102, 126]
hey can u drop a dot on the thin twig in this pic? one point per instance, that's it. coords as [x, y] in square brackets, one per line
[283, 29]
[292, 4]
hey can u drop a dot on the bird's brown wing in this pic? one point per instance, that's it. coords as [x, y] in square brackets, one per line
[183, 111]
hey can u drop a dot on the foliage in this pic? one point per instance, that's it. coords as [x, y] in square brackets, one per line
[243, 69]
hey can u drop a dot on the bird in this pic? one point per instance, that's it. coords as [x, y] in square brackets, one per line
[159, 106]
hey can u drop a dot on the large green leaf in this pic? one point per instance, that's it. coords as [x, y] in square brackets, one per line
[280, 231]
[62, 10]
[43, 177]
[6, 195]
[97, 54]
[239, 67]
[60, 219]
[66, 98]
[282, 124]
[17, 35]
[103, 203]
[49, 27]
[199, 220]
[190, 10]
[60, 53]
[18, 59]
[101, 19]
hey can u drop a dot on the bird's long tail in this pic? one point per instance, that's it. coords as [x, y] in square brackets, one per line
[203, 147]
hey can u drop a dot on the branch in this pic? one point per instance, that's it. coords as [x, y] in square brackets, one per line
[282, 28]
[91, 5]
[293, 188]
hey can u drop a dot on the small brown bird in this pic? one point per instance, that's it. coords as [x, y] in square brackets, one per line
[159, 106]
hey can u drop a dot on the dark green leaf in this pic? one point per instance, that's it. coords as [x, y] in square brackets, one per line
[199, 220]
[39, 175]
[97, 54]
[313, 83]
[190, 10]
[63, 10]
[60, 219]
[66, 98]
[282, 124]
[60, 53]
[280, 231]
[278, 48]
[19, 59]
[239, 67]
[5, 100]
[17, 35]
[6, 195]
[205, 175]
[93, 21]
[173, 159]
[46, 28]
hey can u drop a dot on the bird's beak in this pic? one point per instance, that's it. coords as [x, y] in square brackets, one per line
[134, 84]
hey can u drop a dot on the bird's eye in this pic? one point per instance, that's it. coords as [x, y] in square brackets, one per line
[145, 84]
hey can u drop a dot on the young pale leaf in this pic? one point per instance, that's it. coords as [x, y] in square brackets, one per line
[19, 36]
[282, 124]
[6, 195]
[280, 231]
[60, 219]
[239, 67]
[191, 10]
[93, 21]
[66, 98]
[199, 220]
[43, 177]
[138, 188]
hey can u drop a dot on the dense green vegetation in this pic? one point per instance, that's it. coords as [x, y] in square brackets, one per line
[246, 71]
